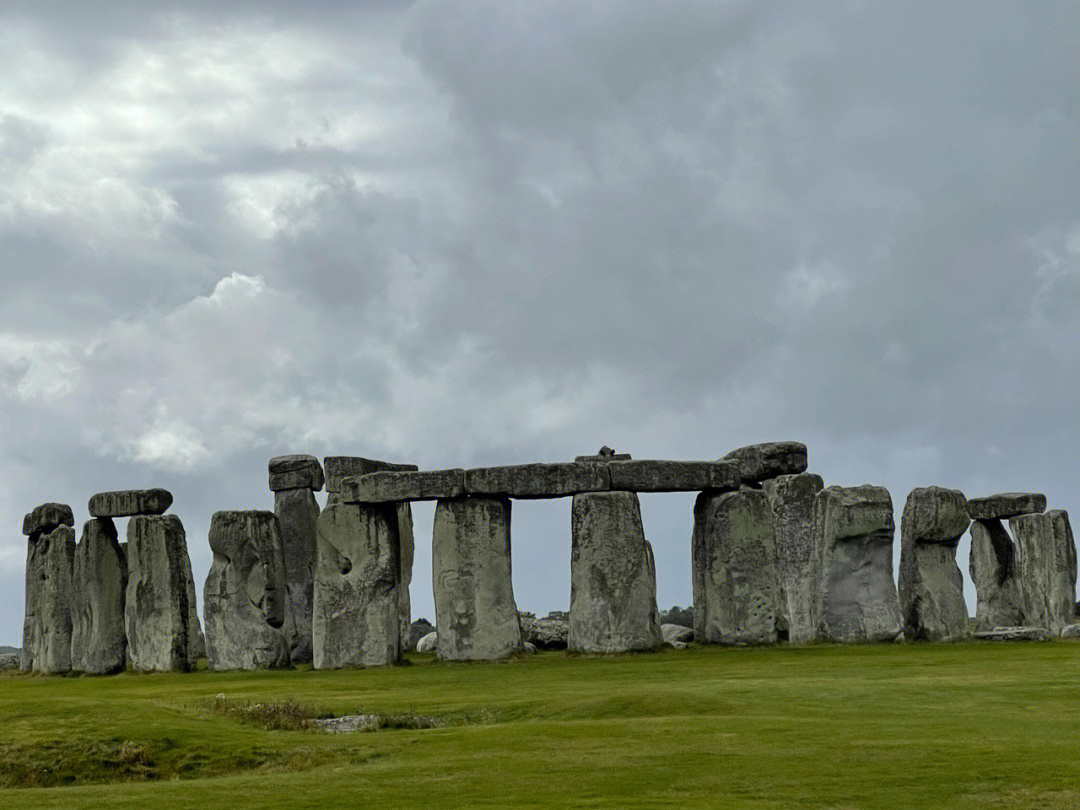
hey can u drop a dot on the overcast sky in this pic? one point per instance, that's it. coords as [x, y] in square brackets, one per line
[481, 233]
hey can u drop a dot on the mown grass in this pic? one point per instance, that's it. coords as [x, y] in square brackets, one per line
[959, 726]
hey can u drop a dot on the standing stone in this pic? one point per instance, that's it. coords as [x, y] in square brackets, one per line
[931, 585]
[47, 628]
[734, 561]
[98, 645]
[992, 566]
[406, 546]
[245, 597]
[298, 513]
[160, 600]
[798, 557]
[1046, 569]
[475, 614]
[854, 526]
[612, 576]
[355, 610]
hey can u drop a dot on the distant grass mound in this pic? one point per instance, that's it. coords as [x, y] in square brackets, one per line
[4, 650]
[891, 726]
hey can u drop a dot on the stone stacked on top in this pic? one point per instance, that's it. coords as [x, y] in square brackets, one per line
[50, 560]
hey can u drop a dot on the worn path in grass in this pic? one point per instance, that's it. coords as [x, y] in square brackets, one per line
[958, 726]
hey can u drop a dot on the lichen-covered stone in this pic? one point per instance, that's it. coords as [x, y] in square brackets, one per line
[1013, 634]
[98, 645]
[338, 468]
[854, 526]
[476, 617]
[537, 480]
[403, 485]
[356, 622]
[406, 546]
[734, 569]
[798, 557]
[646, 475]
[931, 586]
[612, 576]
[47, 627]
[45, 518]
[992, 565]
[546, 633]
[1006, 505]
[298, 512]
[127, 502]
[758, 462]
[159, 604]
[245, 600]
[1046, 569]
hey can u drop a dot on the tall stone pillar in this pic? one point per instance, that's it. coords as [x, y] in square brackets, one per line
[49, 567]
[1046, 566]
[98, 644]
[798, 556]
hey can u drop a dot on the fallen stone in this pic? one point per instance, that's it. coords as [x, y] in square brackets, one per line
[931, 586]
[547, 633]
[9, 661]
[476, 617]
[128, 502]
[1070, 631]
[1006, 505]
[429, 643]
[992, 565]
[245, 598]
[386, 487]
[734, 569]
[678, 645]
[612, 576]
[675, 632]
[355, 612]
[43, 519]
[47, 627]
[798, 557]
[98, 645]
[297, 513]
[159, 601]
[339, 468]
[537, 480]
[758, 462]
[673, 476]
[1013, 634]
[1046, 569]
[350, 723]
[854, 526]
[528, 648]
[604, 455]
[417, 630]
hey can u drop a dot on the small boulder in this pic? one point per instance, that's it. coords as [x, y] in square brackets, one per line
[1070, 631]
[546, 633]
[1013, 634]
[417, 630]
[675, 632]
[429, 643]
[528, 648]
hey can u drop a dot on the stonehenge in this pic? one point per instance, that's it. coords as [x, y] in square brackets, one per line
[98, 644]
[798, 557]
[1046, 569]
[50, 561]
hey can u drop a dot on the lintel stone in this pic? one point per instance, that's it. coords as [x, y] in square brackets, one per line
[758, 462]
[1006, 505]
[338, 468]
[537, 480]
[673, 476]
[129, 502]
[47, 517]
[384, 487]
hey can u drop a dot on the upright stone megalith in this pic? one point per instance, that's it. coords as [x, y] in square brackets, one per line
[931, 585]
[159, 604]
[98, 645]
[245, 600]
[992, 565]
[798, 556]
[854, 526]
[49, 567]
[1046, 569]
[475, 613]
[612, 576]
[734, 568]
[294, 481]
[355, 609]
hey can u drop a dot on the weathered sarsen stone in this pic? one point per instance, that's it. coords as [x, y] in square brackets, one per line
[127, 502]
[757, 462]
[355, 616]
[1046, 569]
[646, 475]
[397, 485]
[47, 627]
[98, 645]
[406, 547]
[338, 468]
[854, 526]
[159, 602]
[298, 512]
[992, 565]
[612, 576]
[798, 556]
[931, 586]
[734, 568]
[476, 617]
[537, 480]
[1006, 505]
[43, 519]
[244, 601]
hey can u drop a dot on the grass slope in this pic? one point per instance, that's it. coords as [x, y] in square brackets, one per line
[958, 726]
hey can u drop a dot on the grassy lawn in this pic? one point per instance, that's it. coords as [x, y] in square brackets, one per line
[892, 726]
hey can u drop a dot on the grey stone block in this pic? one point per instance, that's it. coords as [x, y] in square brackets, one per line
[673, 476]
[798, 556]
[47, 626]
[547, 633]
[1013, 634]
[931, 586]
[1046, 569]
[245, 599]
[45, 518]
[612, 576]
[476, 617]
[758, 462]
[676, 632]
[537, 480]
[295, 472]
[98, 645]
[340, 467]
[406, 546]
[298, 512]
[992, 565]
[128, 502]
[428, 643]
[1006, 505]
[388, 487]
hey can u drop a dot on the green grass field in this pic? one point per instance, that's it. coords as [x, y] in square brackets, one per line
[894, 726]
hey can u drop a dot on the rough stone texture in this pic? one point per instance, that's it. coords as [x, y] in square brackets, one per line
[546, 633]
[45, 518]
[98, 645]
[159, 604]
[528, 648]
[429, 643]
[676, 632]
[384, 487]
[854, 526]
[405, 564]
[1006, 505]
[1013, 634]
[417, 630]
[673, 476]
[734, 568]
[798, 557]
[604, 455]
[308, 478]
[612, 576]
[244, 600]
[47, 627]
[297, 512]
[195, 631]
[9, 661]
[340, 467]
[1070, 631]
[1046, 569]
[537, 480]
[992, 566]
[931, 585]
[758, 462]
[127, 502]
[355, 614]
[294, 462]
[476, 615]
